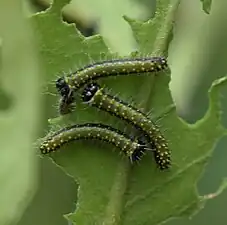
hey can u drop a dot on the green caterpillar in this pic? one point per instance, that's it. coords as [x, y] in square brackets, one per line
[95, 96]
[132, 148]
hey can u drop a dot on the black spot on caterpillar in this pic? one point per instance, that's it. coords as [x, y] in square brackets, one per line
[95, 96]
[74, 81]
[131, 147]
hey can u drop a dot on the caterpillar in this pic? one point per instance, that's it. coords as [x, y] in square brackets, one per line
[74, 81]
[94, 95]
[133, 148]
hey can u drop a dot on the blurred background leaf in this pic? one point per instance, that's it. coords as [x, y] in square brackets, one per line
[206, 5]
[20, 112]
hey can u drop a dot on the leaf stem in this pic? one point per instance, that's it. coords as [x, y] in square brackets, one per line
[165, 32]
[115, 206]
[163, 39]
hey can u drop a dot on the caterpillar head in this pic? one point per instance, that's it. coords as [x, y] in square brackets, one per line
[67, 97]
[62, 87]
[89, 91]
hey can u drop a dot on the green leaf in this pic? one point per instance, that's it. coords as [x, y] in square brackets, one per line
[19, 116]
[111, 190]
[206, 5]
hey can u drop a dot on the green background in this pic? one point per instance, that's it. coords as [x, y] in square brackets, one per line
[197, 35]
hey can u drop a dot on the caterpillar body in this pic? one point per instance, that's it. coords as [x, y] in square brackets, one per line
[94, 95]
[133, 148]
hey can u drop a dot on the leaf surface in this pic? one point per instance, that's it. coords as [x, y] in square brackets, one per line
[111, 191]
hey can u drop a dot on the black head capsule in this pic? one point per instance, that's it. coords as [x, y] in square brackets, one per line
[62, 87]
[67, 97]
[140, 151]
[138, 154]
[89, 91]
